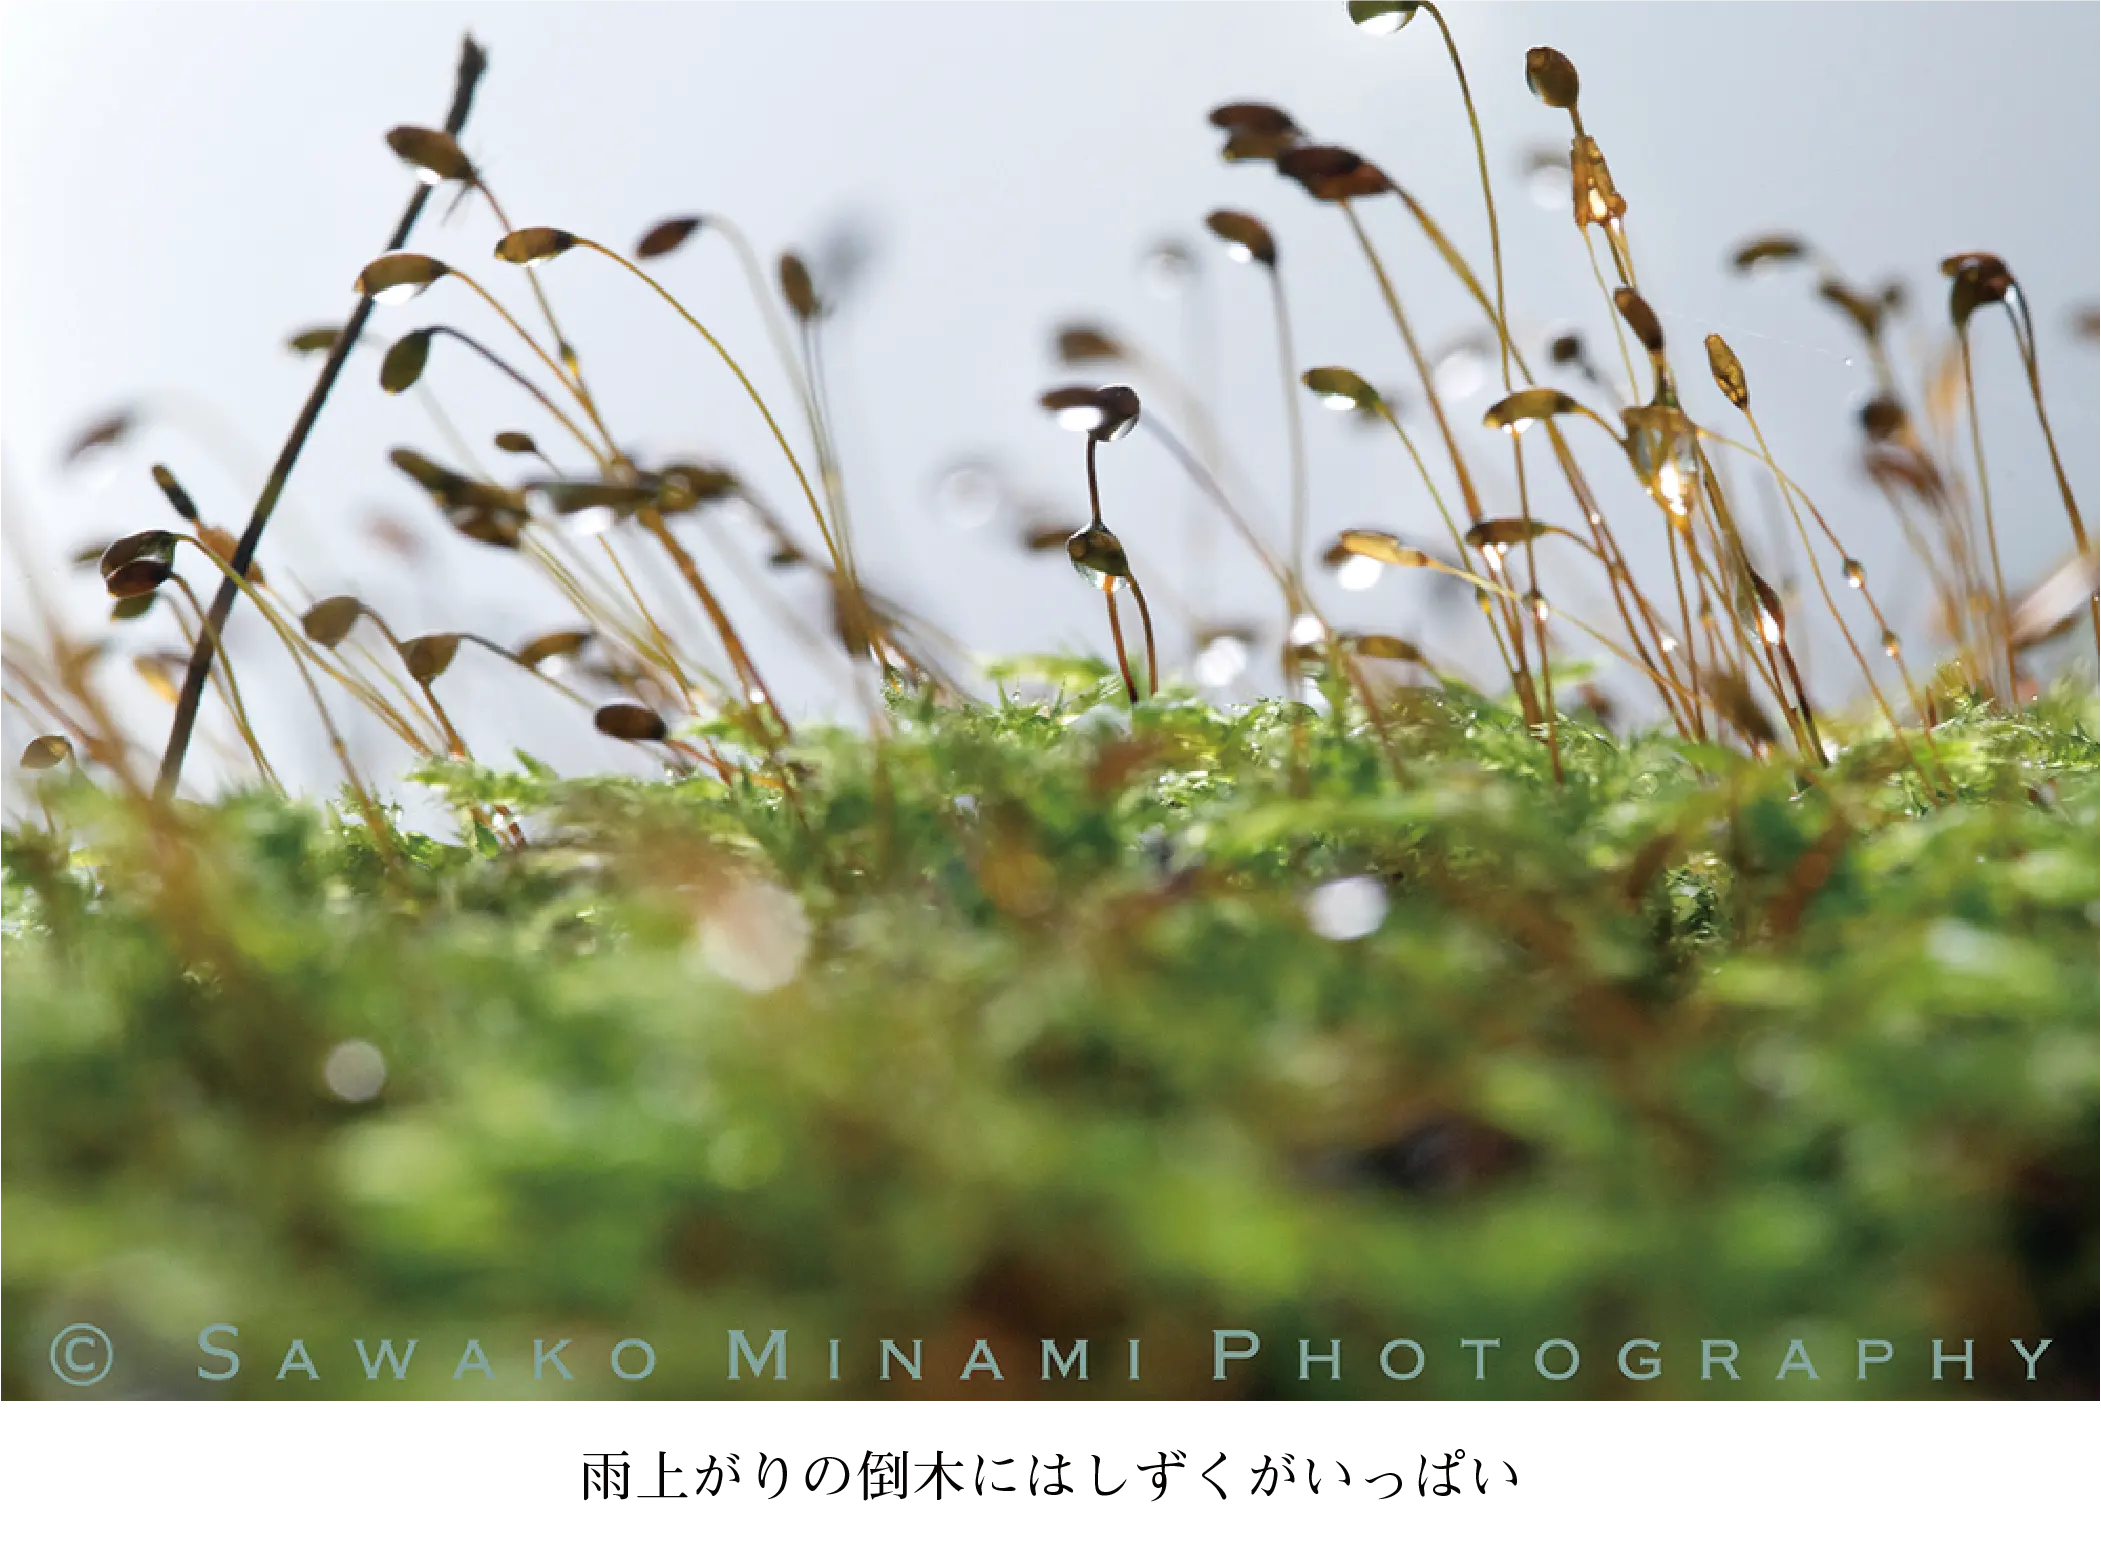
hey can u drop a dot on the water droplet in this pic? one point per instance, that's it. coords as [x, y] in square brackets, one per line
[432, 155]
[1669, 643]
[1849, 362]
[1381, 19]
[970, 495]
[398, 276]
[1305, 631]
[1666, 456]
[1768, 627]
[355, 1071]
[1246, 238]
[1221, 662]
[1461, 372]
[1536, 602]
[755, 935]
[1856, 576]
[1548, 184]
[1358, 573]
[1098, 557]
[1346, 910]
[1671, 488]
[1890, 645]
[1104, 413]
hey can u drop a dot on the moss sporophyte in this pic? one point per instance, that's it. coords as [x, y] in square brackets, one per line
[1595, 995]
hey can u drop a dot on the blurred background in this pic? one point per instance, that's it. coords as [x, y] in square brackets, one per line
[182, 187]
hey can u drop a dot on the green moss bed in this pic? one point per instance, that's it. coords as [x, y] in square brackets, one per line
[1048, 1019]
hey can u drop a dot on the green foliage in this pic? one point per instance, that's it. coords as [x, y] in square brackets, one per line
[1046, 1043]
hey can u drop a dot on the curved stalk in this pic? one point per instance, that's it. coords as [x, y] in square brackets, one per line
[526, 382]
[1495, 237]
[2024, 340]
[772, 424]
[228, 687]
[2000, 616]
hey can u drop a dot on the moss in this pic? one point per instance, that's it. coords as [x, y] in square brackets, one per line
[1689, 1046]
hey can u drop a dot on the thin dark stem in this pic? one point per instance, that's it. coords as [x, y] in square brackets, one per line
[1123, 662]
[1422, 369]
[828, 470]
[1546, 680]
[780, 439]
[1692, 660]
[1794, 675]
[472, 62]
[453, 740]
[1527, 696]
[1495, 236]
[512, 658]
[230, 690]
[1152, 653]
[562, 347]
[1991, 531]
[2024, 339]
[751, 682]
[1539, 623]
[1123, 659]
[520, 378]
[1831, 603]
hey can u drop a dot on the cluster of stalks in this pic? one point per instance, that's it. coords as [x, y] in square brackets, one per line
[585, 518]
[1718, 651]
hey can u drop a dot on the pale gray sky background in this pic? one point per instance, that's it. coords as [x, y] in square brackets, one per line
[183, 185]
